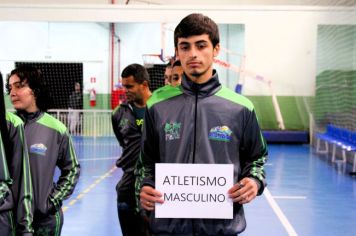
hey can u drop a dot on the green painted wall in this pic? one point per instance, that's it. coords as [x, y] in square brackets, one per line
[335, 98]
[294, 112]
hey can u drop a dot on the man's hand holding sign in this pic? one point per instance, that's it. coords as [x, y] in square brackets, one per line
[196, 191]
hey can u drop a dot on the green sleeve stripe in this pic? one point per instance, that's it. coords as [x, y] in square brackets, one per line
[258, 165]
[71, 176]
[14, 119]
[3, 157]
[116, 109]
[163, 93]
[53, 123]
[139, 174]
[12, 223]
[234, 97]
[58, 223]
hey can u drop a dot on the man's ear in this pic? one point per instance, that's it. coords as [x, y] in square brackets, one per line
[145, 83]
[216, 50]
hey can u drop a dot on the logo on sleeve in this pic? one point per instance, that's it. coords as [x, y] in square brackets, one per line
[220, 133]
[172, 130]
[123, 123]
[38, 148]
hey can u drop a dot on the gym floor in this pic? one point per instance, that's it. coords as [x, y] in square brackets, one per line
[306, 194]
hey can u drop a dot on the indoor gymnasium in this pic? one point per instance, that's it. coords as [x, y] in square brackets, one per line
[294, 60]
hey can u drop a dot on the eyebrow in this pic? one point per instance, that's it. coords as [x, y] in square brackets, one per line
[16, 82]
[200, 41]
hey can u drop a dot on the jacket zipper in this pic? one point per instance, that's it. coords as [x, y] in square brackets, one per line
[195, 125]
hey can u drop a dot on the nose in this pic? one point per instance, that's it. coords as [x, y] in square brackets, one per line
[193, 52]
[12, 92]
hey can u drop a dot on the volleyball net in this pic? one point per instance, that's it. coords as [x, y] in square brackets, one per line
[335, 92]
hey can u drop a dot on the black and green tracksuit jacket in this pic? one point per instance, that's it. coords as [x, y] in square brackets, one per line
[15, 178]
[128, 133]
[49, 146]
[202, 123]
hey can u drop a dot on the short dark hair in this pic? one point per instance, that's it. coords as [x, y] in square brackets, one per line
[197, 24]
[139, 73]
[36, 82]
[177, 63]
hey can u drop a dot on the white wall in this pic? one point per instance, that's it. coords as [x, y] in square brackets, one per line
[145, 38]
[280, 42]
[280, 46]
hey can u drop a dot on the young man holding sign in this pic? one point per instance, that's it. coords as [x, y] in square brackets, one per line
[201, 122]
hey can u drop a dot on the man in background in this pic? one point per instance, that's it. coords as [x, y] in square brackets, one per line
[127, 121]
[75, 104]
[177, 73]
[168, 74]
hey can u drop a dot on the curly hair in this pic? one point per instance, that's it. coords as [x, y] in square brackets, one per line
[36, 82]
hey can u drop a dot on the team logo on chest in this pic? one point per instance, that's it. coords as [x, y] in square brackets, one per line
[139, 122]
[172, 130]
[38, 148]
[220, 133]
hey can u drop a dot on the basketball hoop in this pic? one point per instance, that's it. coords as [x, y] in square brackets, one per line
[149, 60]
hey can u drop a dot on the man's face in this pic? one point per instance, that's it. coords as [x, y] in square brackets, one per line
[168, 75]
[134, 90]
[177, 73]
[196, 54]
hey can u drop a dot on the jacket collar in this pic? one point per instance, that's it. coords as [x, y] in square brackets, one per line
[202, 90]
[29, 117]
[127, 105]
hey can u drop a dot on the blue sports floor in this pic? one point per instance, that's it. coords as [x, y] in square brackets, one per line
[306, 194]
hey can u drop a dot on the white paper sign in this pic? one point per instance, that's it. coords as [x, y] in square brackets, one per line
[194, 190]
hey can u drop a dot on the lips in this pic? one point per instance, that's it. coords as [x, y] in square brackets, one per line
[193, 63]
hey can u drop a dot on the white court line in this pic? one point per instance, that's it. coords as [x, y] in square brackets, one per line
[290, 197]
[98, 159]
[289, 228]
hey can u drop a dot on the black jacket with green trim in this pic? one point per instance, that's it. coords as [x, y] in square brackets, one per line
[202, 123]
[50, 146]
[128, 133]
[15, 176]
